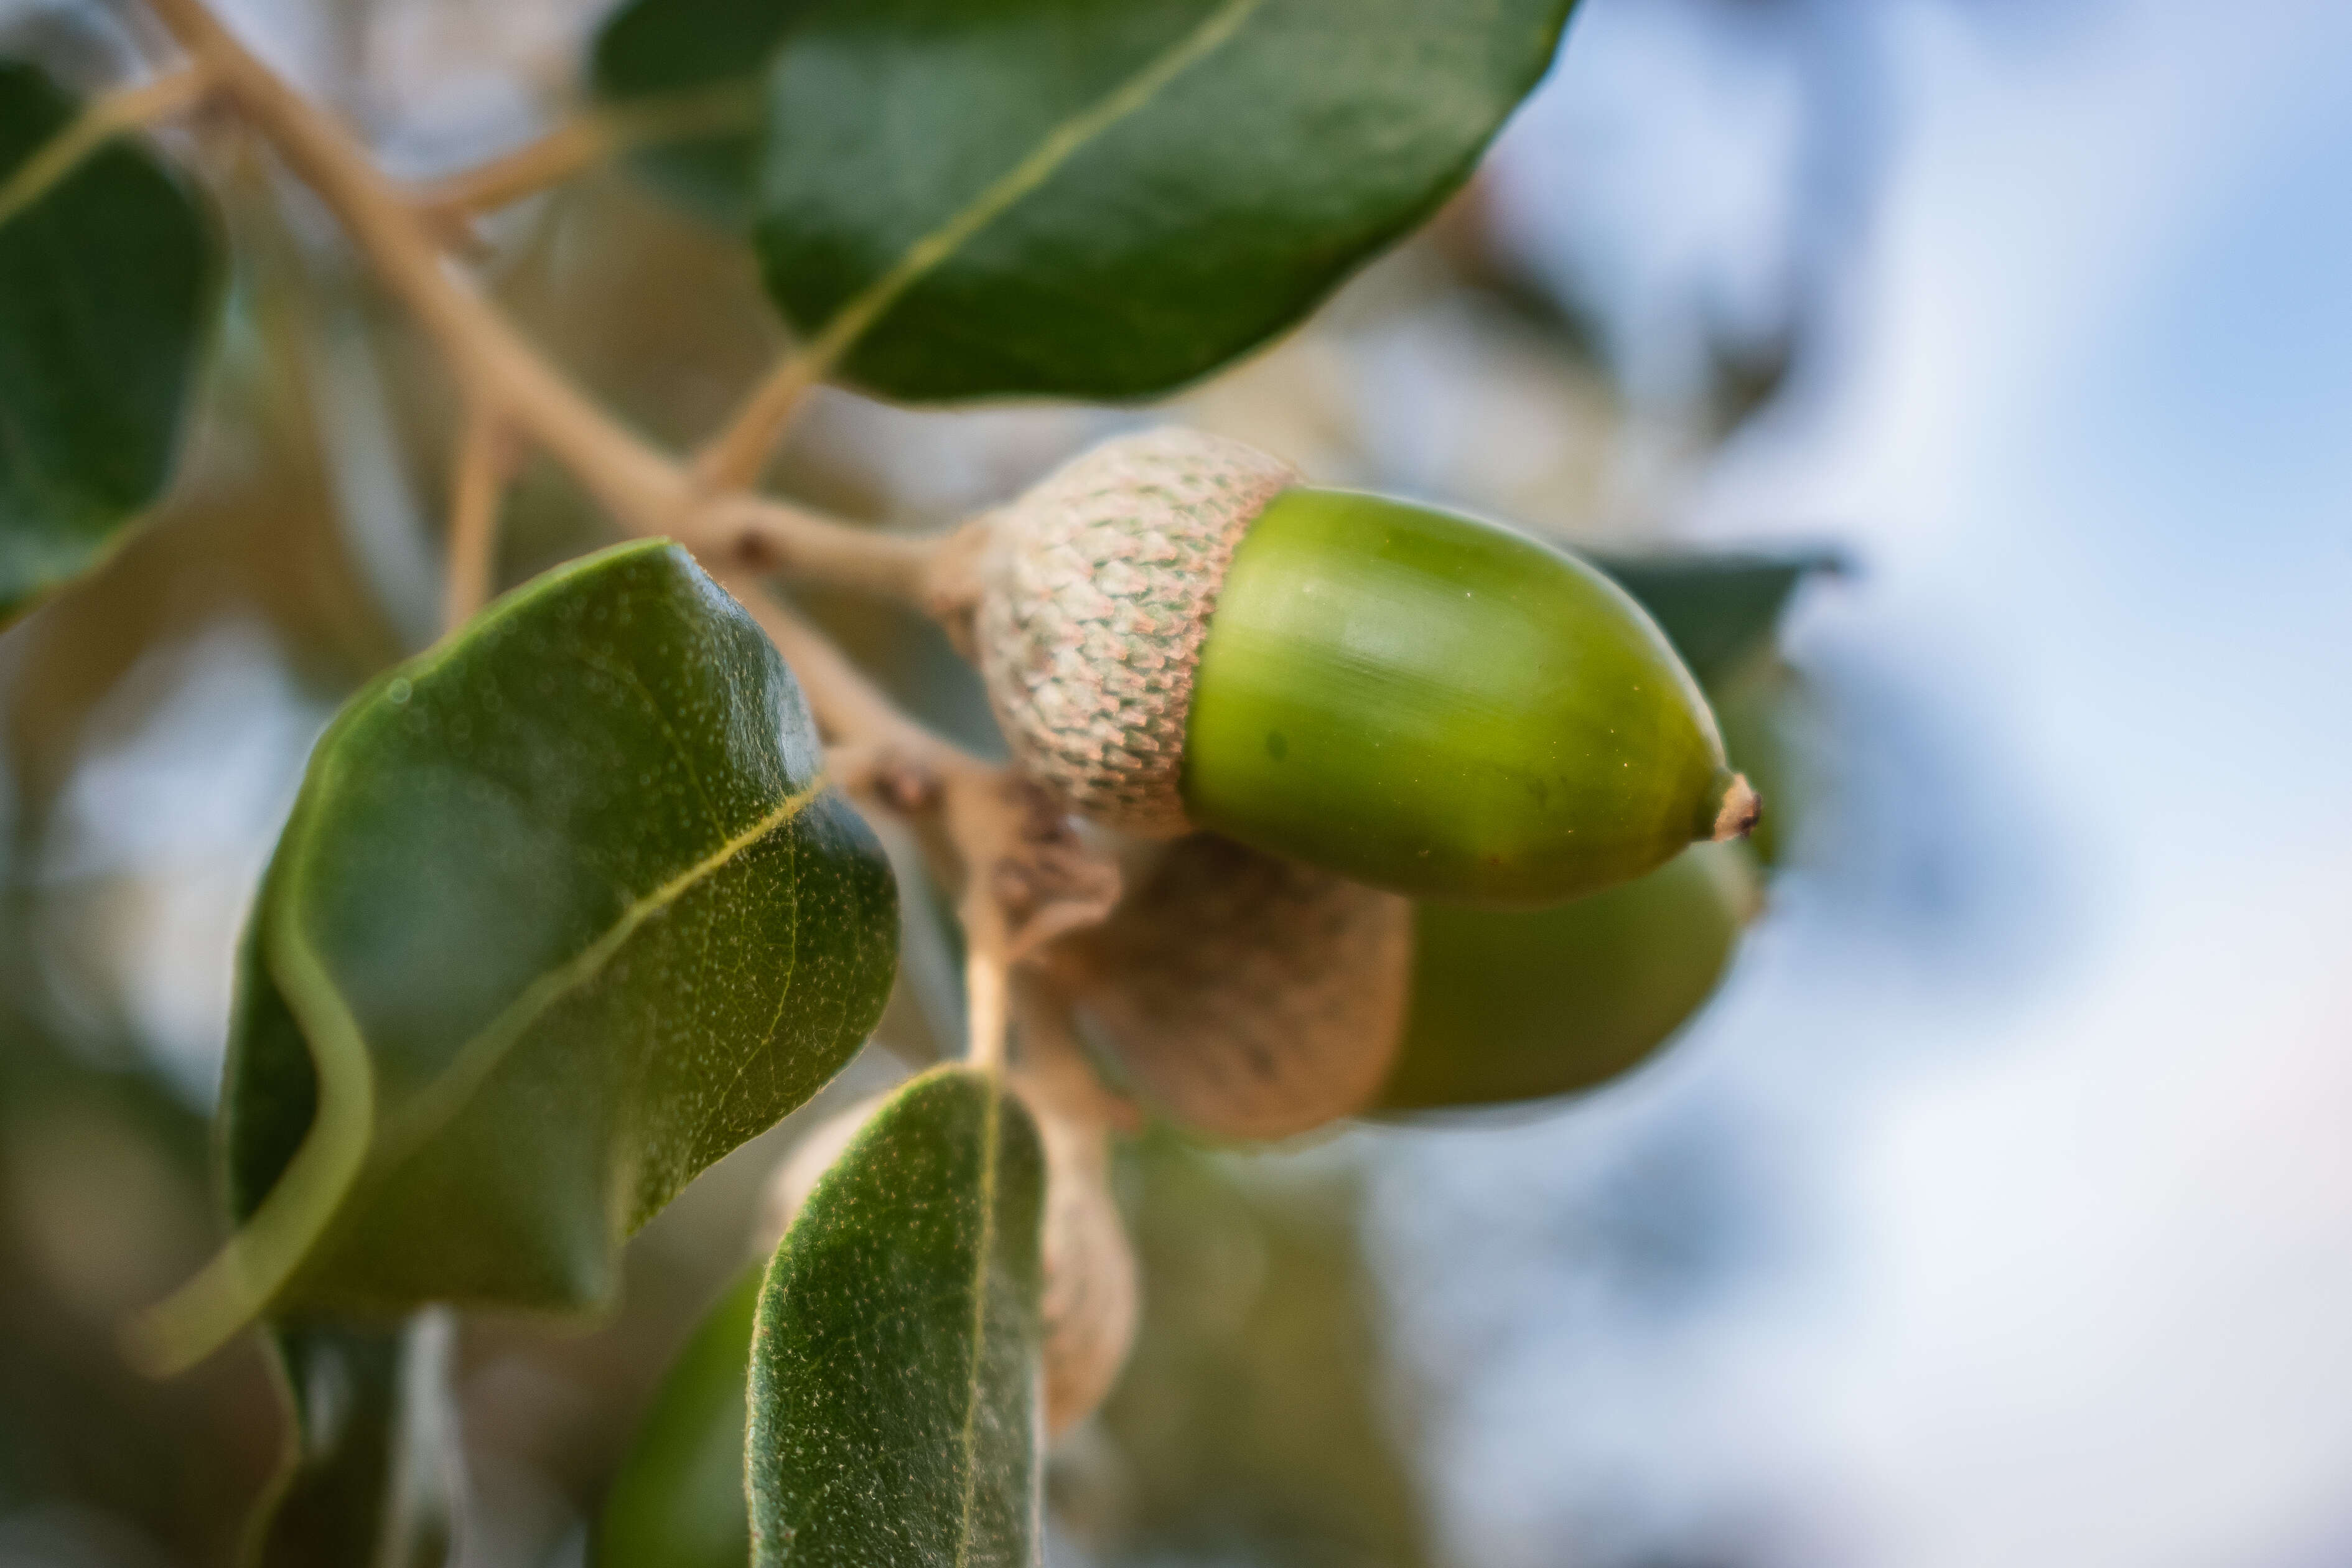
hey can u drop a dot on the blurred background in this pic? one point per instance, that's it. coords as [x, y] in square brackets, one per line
[1999, 1208]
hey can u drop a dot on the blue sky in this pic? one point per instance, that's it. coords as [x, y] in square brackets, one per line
[2071, 1281]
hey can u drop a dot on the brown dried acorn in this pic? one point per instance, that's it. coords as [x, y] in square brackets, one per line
[1176, 635]
[1091, 1296]
[1246, 995]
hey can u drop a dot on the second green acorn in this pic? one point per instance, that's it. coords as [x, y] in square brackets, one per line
[1176, 635]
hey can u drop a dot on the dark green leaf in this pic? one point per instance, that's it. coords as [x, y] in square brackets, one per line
[1515, 1004]
[895, 1372]
[371, 1440]
[565, 911]
[1719, 611]
[108, 275]
[654, 53]
[679, 1500]
[1110, 197]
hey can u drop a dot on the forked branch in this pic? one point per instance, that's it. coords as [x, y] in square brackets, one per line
[1025, 875]
[477, 487]
[578, 143]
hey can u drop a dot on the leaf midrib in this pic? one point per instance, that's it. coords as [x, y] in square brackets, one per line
[969, 1439]
[266, 1249]
[441, 1099]
[1054, 149]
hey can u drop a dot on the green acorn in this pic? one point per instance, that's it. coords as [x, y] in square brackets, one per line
[1176, 635]
[1517, 1004]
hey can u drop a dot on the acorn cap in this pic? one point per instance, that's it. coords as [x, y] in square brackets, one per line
[1096, 589]
[1247, 995]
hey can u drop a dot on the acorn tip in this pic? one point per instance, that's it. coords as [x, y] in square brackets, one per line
[1741, 809]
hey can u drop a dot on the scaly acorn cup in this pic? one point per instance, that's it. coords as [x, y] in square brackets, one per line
[1176, 635]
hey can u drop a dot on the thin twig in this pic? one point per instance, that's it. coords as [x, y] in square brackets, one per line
[479, 486]
[1024, 874]
[634, 481]
[985, 982]
[550, 159]
[578, 143]
[646, 491]
[734, 457]
[101, 122]
[771, 537]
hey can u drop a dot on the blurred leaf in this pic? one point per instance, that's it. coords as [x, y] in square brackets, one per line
[565, 912]
[895, 1373]
[106, 1163]
[1514, 1004]
[686, 52]
[372, 1439]
[1253, 1424]
[1719, 611]
[108, 275]
[678, 1500]
[1108, 198]
[1765, 711]
[1745, 376]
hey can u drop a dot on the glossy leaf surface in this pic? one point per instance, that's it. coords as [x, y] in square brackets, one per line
[565, 911]
[1108, 198]
[895, 1398]
[108, 277]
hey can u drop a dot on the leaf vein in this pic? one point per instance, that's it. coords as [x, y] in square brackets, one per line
[1058, 147]
[989, 1130]
[441, 1099]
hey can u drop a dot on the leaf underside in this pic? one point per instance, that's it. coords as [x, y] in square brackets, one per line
[107, 280]
[1108, 198]
[565, 912]
[895, 1417]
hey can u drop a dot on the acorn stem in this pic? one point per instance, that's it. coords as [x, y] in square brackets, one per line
[985, 981]
[1741, 809]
